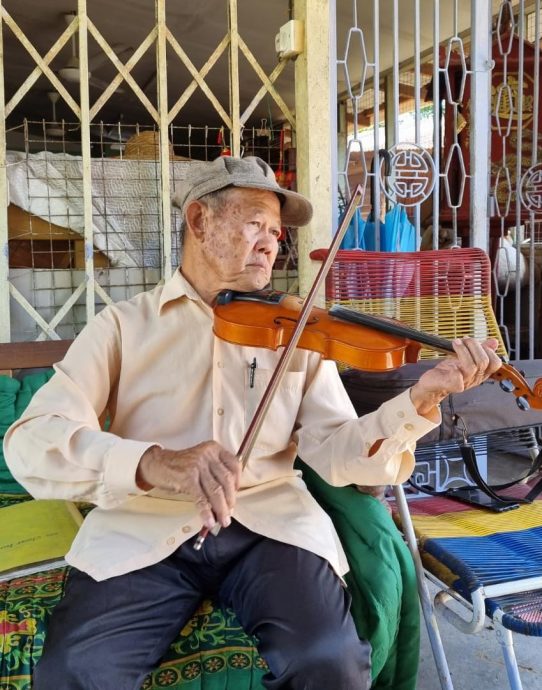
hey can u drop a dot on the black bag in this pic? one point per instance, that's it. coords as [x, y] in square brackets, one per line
[484, 409]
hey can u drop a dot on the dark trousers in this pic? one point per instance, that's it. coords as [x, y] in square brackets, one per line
[108, 635]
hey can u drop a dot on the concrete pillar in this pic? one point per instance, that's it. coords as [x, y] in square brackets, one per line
[315, 130]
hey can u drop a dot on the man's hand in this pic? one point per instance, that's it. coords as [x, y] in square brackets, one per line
[207, 473]
[473, 364]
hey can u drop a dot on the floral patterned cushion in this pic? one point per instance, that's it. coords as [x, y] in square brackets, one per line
[212, 651]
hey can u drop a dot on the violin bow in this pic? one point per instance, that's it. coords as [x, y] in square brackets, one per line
[253, 430]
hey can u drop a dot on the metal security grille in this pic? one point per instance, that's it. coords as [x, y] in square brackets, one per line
[453, 139]
[516, 174]
[86, 213]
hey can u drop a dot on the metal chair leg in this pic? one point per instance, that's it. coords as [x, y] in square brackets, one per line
[507, 645]
[423, 591]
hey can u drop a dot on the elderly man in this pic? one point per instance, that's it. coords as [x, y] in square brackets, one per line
[179, 401]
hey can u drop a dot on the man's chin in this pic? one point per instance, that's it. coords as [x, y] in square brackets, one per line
[252, 283]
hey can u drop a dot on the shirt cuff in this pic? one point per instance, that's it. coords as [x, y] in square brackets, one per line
[121, 462]
[400, 416]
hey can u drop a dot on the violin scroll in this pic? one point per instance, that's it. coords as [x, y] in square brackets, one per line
[511, 381]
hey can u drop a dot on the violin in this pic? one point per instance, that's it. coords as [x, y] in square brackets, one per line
[363, 341]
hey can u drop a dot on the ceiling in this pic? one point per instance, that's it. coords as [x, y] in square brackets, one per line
[198, 26]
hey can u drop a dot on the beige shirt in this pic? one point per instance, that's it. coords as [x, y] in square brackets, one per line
[153, 364]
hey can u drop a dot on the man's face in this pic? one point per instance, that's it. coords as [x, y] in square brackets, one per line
[240, 239]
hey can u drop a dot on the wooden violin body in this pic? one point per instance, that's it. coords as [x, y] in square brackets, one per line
[268, 322]
[268, 318]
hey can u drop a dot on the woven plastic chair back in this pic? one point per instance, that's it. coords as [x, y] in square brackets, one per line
[446, 292]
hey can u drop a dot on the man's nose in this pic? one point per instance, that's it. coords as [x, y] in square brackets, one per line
[266, 242]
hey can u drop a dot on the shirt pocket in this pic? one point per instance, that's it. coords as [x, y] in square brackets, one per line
[282, 413]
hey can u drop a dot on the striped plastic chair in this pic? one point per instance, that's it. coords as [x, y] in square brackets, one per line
[491, 563]
[445, 292]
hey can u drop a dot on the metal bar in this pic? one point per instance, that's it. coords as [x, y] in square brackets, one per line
[124, 71]
[64, 309]
[376, 118]
[102, 294]
[37, 72]
[267, 82]
[519, 160]
[396, 57]
[423, 591]
[163, 119]
[86, 158]
[436, 120]
[5, 323]
[196, 75]
[506, 641]
[480, 121]
[389, 111]
[478, 613]
[417, 71]
[514, 587]
[29, 309]
[235, 108]
[41, 63]
[279, 68]
[534, 160]
[536, 76]
[417, 100]
[221, 47]
[333, 111]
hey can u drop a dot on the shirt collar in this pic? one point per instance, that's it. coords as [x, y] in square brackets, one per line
[176, 287]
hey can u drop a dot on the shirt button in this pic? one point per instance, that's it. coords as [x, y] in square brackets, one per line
[220, 412]
[219, 365]
[187, 529]
[171, 541]
[409, 427]
[400, 414]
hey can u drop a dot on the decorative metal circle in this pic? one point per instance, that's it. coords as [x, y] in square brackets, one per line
[412, 174]
[530, 189]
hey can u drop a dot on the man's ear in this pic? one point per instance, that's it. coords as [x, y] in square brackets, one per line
[196, 218]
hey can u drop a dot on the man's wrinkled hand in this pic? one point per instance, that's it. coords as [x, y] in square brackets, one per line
[474, 362]
[207, 473]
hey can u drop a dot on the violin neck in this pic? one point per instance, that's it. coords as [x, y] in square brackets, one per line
[392, 327]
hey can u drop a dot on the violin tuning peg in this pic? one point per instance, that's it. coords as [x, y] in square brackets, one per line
[523, 404]
[507, 385]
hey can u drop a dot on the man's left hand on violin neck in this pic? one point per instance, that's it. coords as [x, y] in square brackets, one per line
[474, 363]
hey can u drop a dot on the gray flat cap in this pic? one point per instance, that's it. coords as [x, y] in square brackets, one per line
[226, 171]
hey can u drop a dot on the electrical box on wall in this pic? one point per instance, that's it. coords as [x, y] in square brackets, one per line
[289, 42]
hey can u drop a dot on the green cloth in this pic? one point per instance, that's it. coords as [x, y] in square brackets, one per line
[14, 398]
[381, 581]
